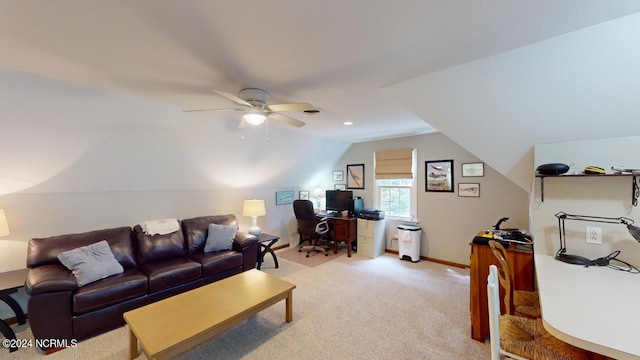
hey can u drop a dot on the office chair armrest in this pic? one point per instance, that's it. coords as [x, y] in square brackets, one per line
[322, 227]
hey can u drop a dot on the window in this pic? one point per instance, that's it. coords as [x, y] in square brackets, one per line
[396, 194]
[395, 197]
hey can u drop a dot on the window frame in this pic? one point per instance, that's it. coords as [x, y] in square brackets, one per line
[413, 192]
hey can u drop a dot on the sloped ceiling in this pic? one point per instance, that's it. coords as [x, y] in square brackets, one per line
[59, 137]
[578, 86]
[92, 93]
[335, 54]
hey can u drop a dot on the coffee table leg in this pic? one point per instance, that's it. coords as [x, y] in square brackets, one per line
[289, 305]
[133, 346]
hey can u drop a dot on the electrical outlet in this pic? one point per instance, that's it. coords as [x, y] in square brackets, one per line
[594, 235]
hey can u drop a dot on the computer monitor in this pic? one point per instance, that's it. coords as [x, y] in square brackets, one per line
[338, 200]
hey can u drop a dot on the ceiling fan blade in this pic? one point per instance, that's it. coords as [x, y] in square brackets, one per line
[232, 98]
[291, 107]
[200, 110]
[286, 119]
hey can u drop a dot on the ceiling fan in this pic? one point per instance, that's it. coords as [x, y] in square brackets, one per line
[255, 108]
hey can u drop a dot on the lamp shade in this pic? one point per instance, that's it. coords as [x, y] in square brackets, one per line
[254, 208]
[4, 225]
[318, 192]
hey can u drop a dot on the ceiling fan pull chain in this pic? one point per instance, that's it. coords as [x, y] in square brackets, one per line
[242, 129]
[266, 127]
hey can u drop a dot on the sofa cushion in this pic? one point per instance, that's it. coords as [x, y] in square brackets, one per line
[151, 248]
[43, 251]
[112, 290]
[216, 262]
[91, 263]
[171, 272]
[195, 230]
[220, 237]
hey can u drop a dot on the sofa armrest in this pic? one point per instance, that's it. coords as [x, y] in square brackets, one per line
[49, 278]
[243, 239]
[247, 244]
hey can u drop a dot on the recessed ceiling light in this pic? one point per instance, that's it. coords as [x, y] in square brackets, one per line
[348, 123]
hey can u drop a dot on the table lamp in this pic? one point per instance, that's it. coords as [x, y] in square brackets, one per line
[254, 208]
[318, 193]
[4, 225]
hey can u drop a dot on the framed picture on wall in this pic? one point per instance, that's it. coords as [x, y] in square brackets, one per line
[304, 195]
[340, 187]
[439, 175]
[355, 176]
[284, 197]
[473, 169]
[468, 190]
[337, 175]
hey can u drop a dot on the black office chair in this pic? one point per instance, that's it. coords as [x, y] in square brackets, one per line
[313, 230]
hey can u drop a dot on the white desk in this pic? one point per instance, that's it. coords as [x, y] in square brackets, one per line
[594, 308]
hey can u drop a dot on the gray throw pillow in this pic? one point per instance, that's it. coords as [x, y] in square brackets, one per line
[91, 263]
[220, 237]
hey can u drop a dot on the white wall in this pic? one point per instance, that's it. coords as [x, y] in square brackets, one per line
[578, 86]
[591, 196]
[449, 222]
[77, 159]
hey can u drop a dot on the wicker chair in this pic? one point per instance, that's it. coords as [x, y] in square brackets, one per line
[521, 338]
[516, 302]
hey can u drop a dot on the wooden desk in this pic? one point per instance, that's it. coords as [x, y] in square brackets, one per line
[594, 308]
[521, 263]
[344, 229]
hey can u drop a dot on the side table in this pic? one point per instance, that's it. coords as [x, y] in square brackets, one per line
[266, 241]
[10, 281]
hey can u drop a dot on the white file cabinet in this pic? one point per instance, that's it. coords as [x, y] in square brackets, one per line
[370, 238]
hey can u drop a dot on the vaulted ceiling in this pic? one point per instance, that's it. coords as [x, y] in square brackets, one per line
[334, 54]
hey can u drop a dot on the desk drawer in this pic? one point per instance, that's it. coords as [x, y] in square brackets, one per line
[341, 230]
[366, 227]
[364, 241]
[365, 246]
[366, 253]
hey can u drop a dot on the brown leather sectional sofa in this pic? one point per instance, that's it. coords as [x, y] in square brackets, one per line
[155, 267]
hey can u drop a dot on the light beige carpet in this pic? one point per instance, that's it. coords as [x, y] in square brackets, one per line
[347, 308]
[315, 258]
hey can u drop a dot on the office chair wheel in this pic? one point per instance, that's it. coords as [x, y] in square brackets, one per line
[307, 255]
[300, 250]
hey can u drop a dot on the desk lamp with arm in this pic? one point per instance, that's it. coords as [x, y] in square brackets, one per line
[561, 255]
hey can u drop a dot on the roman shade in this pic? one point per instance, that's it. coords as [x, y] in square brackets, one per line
[394, 164]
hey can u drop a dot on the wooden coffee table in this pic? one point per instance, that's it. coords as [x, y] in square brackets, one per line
[173, 325]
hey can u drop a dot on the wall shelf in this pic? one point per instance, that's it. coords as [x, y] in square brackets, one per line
[635, 188]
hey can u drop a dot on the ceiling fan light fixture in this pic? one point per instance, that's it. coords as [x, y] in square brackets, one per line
[254, 117]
